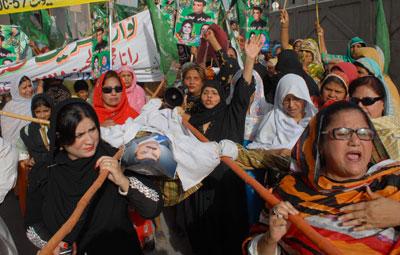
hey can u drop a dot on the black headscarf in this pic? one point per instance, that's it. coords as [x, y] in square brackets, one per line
[204, 115]
[107, 214]
[288, 62]
[34, 140]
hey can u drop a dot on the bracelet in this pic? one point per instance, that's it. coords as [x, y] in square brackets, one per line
[122, 193]
[284, 26]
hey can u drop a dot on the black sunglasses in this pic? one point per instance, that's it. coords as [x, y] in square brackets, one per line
[366, 100]
[108, 90]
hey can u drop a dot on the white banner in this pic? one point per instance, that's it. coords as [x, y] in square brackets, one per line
[133, 44]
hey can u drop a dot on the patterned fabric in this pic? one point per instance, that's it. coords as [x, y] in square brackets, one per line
[134, 183]
[388, 129]
[35, 238]
[316, 68]
[172, 191]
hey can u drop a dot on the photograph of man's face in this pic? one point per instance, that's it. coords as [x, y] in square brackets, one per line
[99, 36]
[198, 7]
[149, 150]
[256, 14]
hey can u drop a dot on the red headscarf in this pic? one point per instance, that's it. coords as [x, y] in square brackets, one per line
[349, 69]
[120, 113]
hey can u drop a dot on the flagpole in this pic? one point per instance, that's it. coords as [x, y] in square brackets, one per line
[319, 39]
[110, 20]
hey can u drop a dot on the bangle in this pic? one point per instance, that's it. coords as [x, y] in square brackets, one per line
[122, 193]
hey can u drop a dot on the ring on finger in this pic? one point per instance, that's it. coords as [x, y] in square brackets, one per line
[280, 216]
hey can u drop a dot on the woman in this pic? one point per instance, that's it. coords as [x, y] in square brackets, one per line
[185, 35]
[21, 98]
[77, 156]
[136, 95]
[110, 100]
[336, 193]
[369, 52]
[194, 75]
[288, 62]
[373, 96]
[281, 127]
[296, 44]
[33, 137]
[334, 87]
[209, 212]
[310, 57]
[353, 46]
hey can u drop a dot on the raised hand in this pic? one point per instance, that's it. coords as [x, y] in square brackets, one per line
[284, 18]
[252, 48]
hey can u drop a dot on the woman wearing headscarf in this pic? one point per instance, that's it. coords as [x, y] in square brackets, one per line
[210, 212]
[136, 95]
[353, 46]
[288, 62]
[369, 52]
[110, 100]
[336, 189]
[77, 155]
[293, 109]
[21, 98]
[373, 96]
[33, 137]
[308, 52]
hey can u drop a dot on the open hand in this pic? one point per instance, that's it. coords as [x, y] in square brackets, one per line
[252, 48]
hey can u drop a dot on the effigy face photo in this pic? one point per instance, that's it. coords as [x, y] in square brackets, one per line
[150, 155]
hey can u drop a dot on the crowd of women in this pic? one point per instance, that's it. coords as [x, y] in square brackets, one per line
[321, 129]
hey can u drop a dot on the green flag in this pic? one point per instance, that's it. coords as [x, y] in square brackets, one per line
[50, 29]
[241, 13]
[23, 19]
[166, 44]
[382, 34]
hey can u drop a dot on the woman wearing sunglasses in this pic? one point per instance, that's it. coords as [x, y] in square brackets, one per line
[373, 96]
[110, 100]
[338, 187]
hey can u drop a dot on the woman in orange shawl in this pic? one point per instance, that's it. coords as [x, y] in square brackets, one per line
[336, 189]
[110, 100]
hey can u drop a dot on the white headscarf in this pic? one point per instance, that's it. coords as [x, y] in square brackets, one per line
[277, 129]
[10, 127]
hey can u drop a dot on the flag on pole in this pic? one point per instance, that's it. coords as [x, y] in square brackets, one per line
[166, 45]
[50, 29]
[382, 34]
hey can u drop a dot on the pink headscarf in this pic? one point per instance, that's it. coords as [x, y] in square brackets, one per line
[135, 93]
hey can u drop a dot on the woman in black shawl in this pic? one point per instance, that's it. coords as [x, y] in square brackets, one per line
[216, 215]
[77, 156]
[33, 137]
[288, 62]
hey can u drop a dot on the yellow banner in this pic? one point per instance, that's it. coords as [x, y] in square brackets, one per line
[12, 6]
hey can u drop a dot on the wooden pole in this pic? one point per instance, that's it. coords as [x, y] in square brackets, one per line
[22, 117]
[322, 243]
[154, 95]
[284, 5]
[317, 12]
[76, 214]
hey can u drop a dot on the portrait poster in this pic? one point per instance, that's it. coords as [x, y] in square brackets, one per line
[150, 155]
[168, 10]
[101, 45]
[10, 39]
[193, 18]
[257, 22]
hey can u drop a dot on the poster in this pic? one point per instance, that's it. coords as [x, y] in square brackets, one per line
[257, 22]
[150, 155]
[168, 10]
[194, 17]
[101, 47]
[10, 38]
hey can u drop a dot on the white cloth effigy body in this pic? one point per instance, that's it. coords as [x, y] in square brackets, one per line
[195, 159]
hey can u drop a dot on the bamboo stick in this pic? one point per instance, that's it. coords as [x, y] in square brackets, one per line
[317, 12]
[322, 243]
[67, 227]
[23, 117]
[284, 5]
[154, 95]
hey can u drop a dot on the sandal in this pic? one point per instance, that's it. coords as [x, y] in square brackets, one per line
[160, 236]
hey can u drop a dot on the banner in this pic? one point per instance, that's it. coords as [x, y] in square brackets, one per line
[10, 44]
[257, 21]
[133, 44]
[7, 7]
[194, 18]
